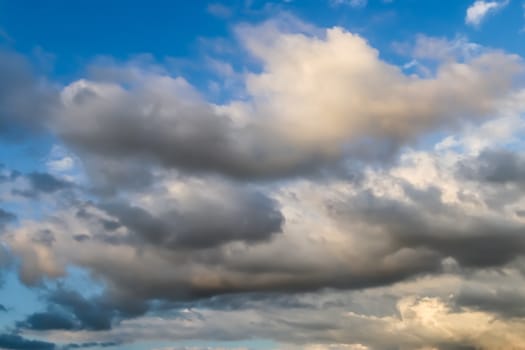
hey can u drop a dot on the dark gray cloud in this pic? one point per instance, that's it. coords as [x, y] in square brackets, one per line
[69, 310]
[239, 216]
[3, 308]
[17, 342]
[6, 259]
[505, 301]
[31, 185]
[496, 166]
[40, 183]
[6, 217]
[109, 176]
[42, 321]
[92, 345]
[25, 102]
[192, 137]
[427, 222]
[46, 183]
[499, 175]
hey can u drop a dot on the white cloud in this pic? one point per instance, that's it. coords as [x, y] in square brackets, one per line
[441, 49]
[59, 160]
[352, 3]
[477, 12]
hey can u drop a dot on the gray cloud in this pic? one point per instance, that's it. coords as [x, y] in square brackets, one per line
[69, 310]
[426, 222]
[47, 183]
[32, 184]
[495, 166]
[6, 217]
[149, 116]
[504, 301]
[41, 183]
[223, 232]
[17, 342]
[195, 138]
[199, 222]
[25, 102]
[92, 345]
[42, 321]
[6, 259]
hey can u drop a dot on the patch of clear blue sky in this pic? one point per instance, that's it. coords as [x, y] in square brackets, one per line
[62, 36]
[27, 153]
[19, 300]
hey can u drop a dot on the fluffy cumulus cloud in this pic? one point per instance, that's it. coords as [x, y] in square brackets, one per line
[369, 111]
[306, 213]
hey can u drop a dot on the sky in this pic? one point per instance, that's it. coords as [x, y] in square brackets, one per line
[262, 175]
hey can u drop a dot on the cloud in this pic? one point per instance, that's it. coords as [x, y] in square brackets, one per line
[6, 217]
[69, 310]
[496, 166]
[415, 323]
[16, 342]
[409, 230]
[46, 183]
[443, 49]
[42, 321]
[60, 161]
[203, 220]
[6, 260]
[199, 348]
[502, 301]
[351, 3]
[92, 345]
[162, 119]
[477, 12]
[225, 221]
[35, 184]
[17, 115]
[475, 243]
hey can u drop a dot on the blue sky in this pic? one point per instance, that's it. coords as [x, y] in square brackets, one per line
[247, 174]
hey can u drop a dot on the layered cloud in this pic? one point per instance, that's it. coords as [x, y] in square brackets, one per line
[371, 319]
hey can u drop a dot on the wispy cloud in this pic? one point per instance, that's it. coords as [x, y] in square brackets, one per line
[352, 3]
[219, 10]
[479, 10]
